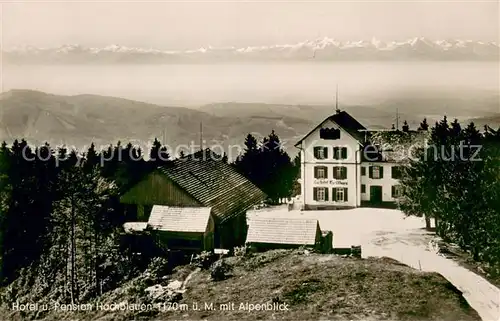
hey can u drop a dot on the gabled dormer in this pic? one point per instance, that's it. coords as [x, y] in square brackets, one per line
[335, 139]
[331, 128]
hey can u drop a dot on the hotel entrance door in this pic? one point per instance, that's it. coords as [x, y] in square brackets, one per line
[376, 194]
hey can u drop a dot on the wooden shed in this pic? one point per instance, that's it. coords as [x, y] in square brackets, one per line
[183, 228]
[272, 233]
[201, 179]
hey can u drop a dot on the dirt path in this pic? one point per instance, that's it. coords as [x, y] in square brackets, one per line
[412, 248]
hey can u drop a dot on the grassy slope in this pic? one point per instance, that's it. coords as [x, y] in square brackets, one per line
[330, 287]
[315, 287]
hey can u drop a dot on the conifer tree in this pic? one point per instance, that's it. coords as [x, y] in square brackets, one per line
[455, 179]
[158, 155]
[268, 166]
[423, 125]
[406, 127]
[5, 194]
[91, 160]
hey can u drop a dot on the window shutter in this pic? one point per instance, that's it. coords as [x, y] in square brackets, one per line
[335, 153]
[370, 171]
[326, 171]
[326, 194]
[381, 168]
[325, 151]
[316, 151]
[396, 172]
[315, 193]
[315, 172]
[345, 194]
[344, 172]
[344, 152]
[334, 168]
[393, 191]
[334, 194]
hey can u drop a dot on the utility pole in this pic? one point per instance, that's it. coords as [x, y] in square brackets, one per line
[397, 119]
[201, 135]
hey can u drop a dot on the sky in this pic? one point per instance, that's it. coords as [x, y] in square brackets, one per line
[189, 25]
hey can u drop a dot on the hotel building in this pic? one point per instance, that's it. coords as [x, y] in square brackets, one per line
[341, 168]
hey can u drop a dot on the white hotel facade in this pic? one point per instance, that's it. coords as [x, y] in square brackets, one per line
[335, 169]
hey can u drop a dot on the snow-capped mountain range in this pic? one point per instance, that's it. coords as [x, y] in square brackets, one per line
[322, 49]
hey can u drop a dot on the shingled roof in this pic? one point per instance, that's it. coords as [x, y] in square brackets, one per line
[214, 183]
[346, 122]
[292, 231]
[179, 219]
[133, 227]
[392, 145]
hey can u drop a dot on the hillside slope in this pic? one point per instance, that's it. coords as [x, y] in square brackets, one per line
[82, 119]
[491, 121]
[412, 106]
[319, 287]
[313, 287]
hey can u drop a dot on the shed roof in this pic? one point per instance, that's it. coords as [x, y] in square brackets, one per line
[131, 227]
[179, 219]
[283, 231]
[214, 183]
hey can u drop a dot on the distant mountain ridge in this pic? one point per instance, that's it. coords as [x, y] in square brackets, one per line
[82, 119]
[322, 49]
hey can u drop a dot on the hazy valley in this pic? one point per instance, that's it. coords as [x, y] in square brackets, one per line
[79, 120]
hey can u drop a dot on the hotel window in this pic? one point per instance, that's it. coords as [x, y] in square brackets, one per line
[320, 194]
[320, 152]
[376, 172]
[396, 172]
[340, 172]
[363, 171]
[340, 194]
[363, 188]
[396, 191]
[340, 152]
[320, 172]
[329, 133]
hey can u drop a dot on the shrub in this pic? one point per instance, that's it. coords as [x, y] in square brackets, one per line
[204, 260]
[220, 270]
[158, 267]
[241, 250]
